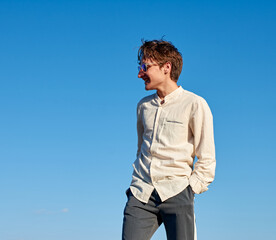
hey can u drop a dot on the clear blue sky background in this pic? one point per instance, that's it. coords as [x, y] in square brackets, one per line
[68, 95]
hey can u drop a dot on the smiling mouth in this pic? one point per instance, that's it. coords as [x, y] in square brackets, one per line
[147, 82]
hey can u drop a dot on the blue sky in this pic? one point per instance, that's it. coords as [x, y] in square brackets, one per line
[68, 95]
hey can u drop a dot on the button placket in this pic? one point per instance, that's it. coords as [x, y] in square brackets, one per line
[155, 129]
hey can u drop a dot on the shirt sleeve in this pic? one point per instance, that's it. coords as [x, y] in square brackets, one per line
[201, 124]
[140, 129]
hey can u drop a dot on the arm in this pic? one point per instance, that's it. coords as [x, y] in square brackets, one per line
[201, 124]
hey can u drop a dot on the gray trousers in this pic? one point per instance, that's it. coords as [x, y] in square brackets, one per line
[141, 220]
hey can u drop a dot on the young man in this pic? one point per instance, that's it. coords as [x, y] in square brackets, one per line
[174, 126]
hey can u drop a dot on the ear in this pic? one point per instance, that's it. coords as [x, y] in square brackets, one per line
[167, 67]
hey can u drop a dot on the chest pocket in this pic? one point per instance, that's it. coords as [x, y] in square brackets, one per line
[174, 131]
[168, 121]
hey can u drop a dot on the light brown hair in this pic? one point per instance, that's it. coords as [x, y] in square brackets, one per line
[162, 52]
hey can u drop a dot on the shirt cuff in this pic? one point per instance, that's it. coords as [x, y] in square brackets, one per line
[197, 185]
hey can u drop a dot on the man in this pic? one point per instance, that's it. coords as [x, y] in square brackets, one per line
[174, 126]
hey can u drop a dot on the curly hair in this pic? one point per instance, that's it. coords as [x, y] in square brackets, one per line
[162, 52]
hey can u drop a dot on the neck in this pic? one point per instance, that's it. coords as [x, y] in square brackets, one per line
[167, 89]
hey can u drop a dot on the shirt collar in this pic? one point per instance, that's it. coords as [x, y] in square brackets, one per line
[170, 96]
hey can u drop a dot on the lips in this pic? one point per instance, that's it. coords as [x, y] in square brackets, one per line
[147, 80]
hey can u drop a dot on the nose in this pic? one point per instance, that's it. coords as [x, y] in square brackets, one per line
[141, 73]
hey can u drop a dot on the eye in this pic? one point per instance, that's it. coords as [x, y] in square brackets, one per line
[148, 66]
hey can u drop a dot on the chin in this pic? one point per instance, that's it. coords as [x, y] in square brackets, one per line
[148, 88]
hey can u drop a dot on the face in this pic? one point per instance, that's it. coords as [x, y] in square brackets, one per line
[153, 77]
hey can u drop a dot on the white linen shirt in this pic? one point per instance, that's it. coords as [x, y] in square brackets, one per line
[170, 134]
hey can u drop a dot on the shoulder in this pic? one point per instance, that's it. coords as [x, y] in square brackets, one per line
[196, 102]
[193, 98]
[146, 100]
